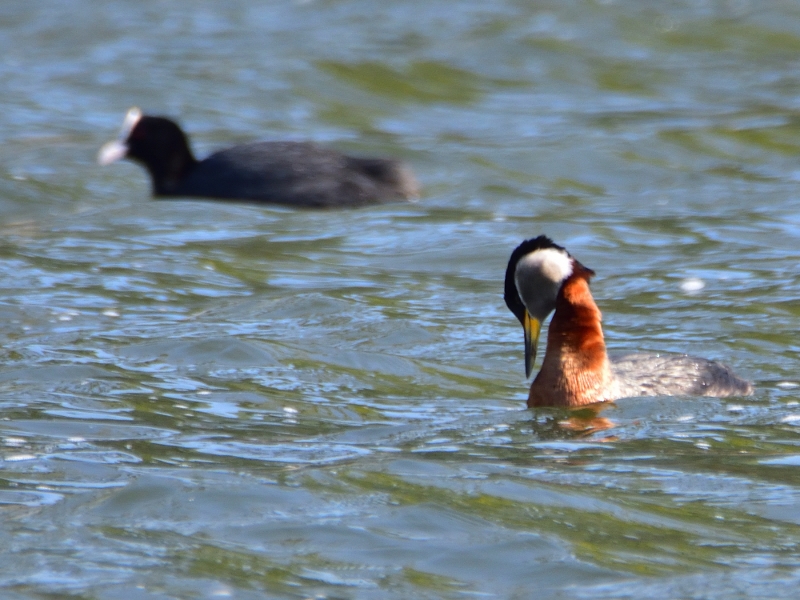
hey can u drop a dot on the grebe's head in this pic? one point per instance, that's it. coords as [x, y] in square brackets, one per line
[536, 270]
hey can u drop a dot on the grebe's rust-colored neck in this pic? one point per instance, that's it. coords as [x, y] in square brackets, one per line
[575, 370]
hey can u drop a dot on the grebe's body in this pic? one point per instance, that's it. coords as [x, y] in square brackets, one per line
[542, 277]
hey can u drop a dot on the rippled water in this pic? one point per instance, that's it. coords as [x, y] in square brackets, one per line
[213, 400]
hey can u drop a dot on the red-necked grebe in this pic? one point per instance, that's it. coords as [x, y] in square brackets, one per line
[542, 277]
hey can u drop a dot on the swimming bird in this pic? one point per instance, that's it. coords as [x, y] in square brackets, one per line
[542, 277]
[298, 174]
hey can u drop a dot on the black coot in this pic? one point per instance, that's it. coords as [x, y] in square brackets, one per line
[291, 173]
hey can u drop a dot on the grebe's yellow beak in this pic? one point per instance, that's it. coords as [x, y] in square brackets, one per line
[532, 326]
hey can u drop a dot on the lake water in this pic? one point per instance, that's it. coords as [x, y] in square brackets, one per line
[211, 400]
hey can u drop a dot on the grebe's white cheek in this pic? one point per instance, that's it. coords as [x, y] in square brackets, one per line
[538, 277]
[556, 265]
[548, 263]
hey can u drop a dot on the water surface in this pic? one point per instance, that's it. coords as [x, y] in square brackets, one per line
[211, 400]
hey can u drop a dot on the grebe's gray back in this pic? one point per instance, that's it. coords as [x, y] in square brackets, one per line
[676, 375]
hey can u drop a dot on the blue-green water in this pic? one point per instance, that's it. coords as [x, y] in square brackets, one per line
[207, 400]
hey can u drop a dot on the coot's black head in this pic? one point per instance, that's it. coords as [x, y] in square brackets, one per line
[157, 143]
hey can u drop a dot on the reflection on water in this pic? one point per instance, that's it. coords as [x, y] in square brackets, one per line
[216, 400]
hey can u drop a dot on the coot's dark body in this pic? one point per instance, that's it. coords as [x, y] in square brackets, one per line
[298, 174]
